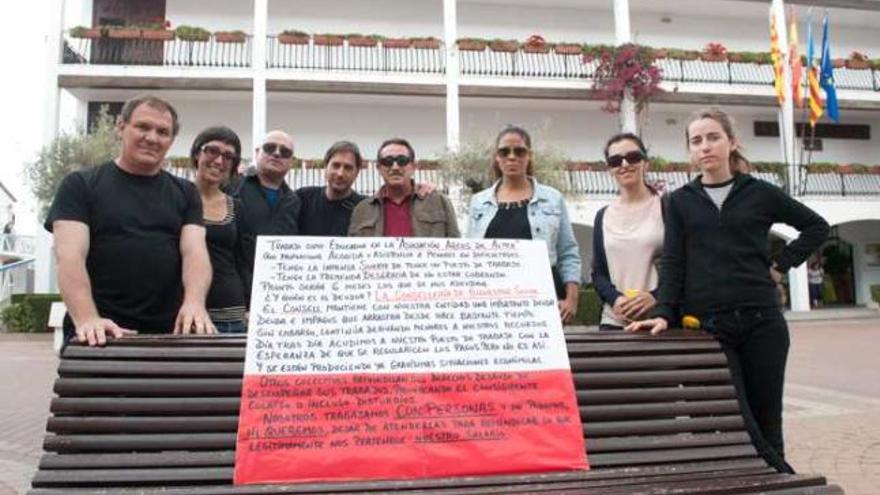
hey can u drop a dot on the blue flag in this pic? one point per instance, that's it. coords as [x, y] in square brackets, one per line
[826, 75]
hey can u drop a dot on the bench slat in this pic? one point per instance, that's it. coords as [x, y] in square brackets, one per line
[145, 353]
[659, 426]
[109, 368]
[148, 387]
[145, 405]
[712, 360]
[216, 458]
[632, 443]
[613, 412]
[143, 424]
[629, 396]
[667, 455]
[603, 348]
[122, 443]
[640, 378]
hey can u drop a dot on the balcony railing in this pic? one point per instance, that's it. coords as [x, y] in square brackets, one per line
[16, 276]
[522, 64]
[345, 57]
[169, 53]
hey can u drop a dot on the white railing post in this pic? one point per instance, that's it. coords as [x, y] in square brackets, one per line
[453, 117]
[258, 123]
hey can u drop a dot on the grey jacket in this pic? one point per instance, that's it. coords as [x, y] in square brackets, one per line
[432, 216]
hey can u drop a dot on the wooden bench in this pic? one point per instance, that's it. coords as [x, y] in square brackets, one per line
[158, 415]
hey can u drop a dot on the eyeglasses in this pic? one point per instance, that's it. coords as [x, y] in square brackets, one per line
[272, 148]
[632, 158]
[390, 161]
[212, 152]
[518, 151]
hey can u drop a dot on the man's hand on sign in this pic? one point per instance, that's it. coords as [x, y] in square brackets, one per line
[637, 306]
[193, 318]
[96, 330]
[655, 325]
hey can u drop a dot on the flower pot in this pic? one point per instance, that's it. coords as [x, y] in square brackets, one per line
[328, 39]
[858, 64]
[845, 169]
[397, 43]
[471, 45]
[124, 33]
[426, 44]
[536, 48]
[362, 41]
[660, 53]
[838, 63]
[293, 39]
[568, 49]
[713, 57]
[224, 37]
[157, 34]
[88, 33]
[875, 170]
[506, 46]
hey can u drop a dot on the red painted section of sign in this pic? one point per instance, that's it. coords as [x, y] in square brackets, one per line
[334, 427]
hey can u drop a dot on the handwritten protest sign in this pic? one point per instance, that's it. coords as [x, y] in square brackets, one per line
[378, 358]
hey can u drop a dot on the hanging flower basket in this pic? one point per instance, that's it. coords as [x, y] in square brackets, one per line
[328, 39]
[85, 32]
[568, 49]
[157, 34]
[626, 71]
[506, 46]
[292, 37]
[124, 33]
[430, 43]
[229, 37]
[471, 44]
[397, 43]
[362, 41]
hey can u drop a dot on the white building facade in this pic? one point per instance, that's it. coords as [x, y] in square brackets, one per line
[440, 96]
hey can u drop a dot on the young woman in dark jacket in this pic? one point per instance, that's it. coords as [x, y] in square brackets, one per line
[716, 264]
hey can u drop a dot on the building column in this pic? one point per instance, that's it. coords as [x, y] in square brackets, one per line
[453, 116]
[799, 288]
[623, 35]
[54, 49]
[258, 123]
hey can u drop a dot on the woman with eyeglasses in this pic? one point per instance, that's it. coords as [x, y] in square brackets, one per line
[215, 154]
[627, 237]
[716, 266]
[516, 206]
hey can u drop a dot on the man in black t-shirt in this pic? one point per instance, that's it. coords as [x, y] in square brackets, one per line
[129, 237]
[326, 210]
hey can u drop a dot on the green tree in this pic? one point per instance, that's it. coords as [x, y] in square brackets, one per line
[70, 152]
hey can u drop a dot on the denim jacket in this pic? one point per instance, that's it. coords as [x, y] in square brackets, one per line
[549, 221]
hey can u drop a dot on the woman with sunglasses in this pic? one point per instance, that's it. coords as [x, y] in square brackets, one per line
[627, 237]
[516, 206]
[717, 267]
[215, 154]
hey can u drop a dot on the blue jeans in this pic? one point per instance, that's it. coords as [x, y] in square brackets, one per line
[236, 326]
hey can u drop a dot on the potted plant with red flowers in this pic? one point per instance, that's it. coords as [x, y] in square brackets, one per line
[568, 48]
[506, 46]
[157, 30]
[425, 43]
[626, 71]
[360, 40]
[397, 43]
[230, 36]
[714, 52]
[328, 39]
[293, 37]
[536, 44]
[85, 32]
[471, 44]
[123, 32]
[858, 61]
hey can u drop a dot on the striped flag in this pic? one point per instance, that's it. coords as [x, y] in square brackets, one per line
[794, 58]
[814, 94]
[776, 55]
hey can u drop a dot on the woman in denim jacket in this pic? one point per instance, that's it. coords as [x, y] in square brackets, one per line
[516, 206]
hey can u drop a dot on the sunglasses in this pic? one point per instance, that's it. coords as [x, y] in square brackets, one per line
[212, 152]
[632, 158]
[390, 161]
[518, 151]
[272, 148]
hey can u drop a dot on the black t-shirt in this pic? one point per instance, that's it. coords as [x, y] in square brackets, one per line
[225, 300]
[135, 222]
[511, 221]
[323, 217]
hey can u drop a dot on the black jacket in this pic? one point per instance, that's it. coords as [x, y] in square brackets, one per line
[715, 261]
[259, 218]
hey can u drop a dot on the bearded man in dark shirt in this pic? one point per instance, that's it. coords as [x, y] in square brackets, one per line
[326, 210]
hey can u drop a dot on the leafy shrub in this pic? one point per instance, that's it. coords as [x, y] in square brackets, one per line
[18, 317]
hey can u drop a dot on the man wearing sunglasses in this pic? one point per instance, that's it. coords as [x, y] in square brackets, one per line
[268, 205]
[396, 210]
